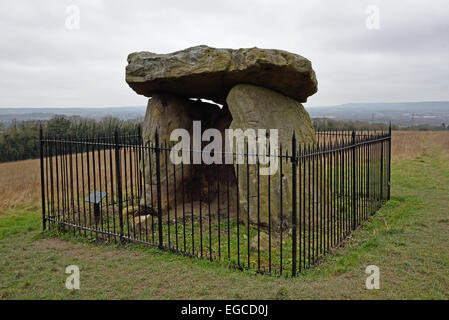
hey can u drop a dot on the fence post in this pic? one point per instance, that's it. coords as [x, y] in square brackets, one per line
[158, 186]
[41, 142]
[118, 173]
[294, 163]
[389, 161]
[382, 146]
[354, 218]
[140, 164]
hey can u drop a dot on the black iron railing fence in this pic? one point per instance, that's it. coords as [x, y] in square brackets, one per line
[279, 224]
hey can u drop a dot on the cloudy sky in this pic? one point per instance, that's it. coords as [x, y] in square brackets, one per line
[46, 61]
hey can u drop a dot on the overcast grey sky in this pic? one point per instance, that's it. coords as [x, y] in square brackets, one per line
[44, 64]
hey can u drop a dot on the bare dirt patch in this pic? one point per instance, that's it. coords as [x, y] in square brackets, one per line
[52, 244]
[83, 252]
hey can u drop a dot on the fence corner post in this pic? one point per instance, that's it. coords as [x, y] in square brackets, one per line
[382, 173]
[294, 208]
[118, 173]
[158, 186]
[389, 162]
[354, 207]
[41, 144]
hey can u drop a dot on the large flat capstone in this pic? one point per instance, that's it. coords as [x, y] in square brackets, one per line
[210, 73]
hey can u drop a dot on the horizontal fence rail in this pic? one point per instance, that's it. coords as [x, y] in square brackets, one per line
[121, 188]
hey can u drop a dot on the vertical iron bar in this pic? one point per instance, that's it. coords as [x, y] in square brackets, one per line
[389, 162]
[238, 210]
[88, 182]
[183, 206]
[47, 176]
[83, 184]
[106, 187]
[77, 184]
[158, 185]
[294, 209]
[354, 219]
[150, 167]
[209, 221]
[382, 144]
[218, 213]
[131, 155]
[248, 204]
[280, 206]
[71, 185]
[118, 173]
[269, 208]
[94, 175]
[41, 143]
[228, 211]
[201, 208]
[143, 181]
[112, 191]
[191, 201]
[175, 207]
[125, 171]
[167, 194]
[99, 181]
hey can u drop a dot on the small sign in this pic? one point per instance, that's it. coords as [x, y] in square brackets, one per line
[95, 197]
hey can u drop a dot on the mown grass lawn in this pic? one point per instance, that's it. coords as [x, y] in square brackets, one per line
[408, 240]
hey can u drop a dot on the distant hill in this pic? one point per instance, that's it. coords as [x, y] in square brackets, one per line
[7, 115]
[402, 113]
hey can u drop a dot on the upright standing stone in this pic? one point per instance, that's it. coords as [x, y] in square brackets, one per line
[165, 112]
[260, 108]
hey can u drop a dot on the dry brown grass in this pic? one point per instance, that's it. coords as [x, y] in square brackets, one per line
[19, 184]
[20, 181]
[412, 144]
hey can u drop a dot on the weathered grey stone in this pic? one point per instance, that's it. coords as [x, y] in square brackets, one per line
[165, 113]
[261, 242]
[261, 108]
[168, 112]
[142, 225]
[210, 73]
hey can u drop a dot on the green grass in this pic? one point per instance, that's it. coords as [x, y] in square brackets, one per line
[233, 242]
[212, 246]
[407, 239]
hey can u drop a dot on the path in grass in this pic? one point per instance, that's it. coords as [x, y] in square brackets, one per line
[407, 239]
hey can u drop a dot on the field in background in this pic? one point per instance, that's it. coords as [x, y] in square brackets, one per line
[20, 184]
[407, 145]
[20, 181]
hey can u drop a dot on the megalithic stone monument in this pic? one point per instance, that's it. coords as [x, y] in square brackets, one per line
[258, 88]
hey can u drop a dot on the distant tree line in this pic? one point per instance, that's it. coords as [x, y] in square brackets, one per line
[20, 140]
[323, 124]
